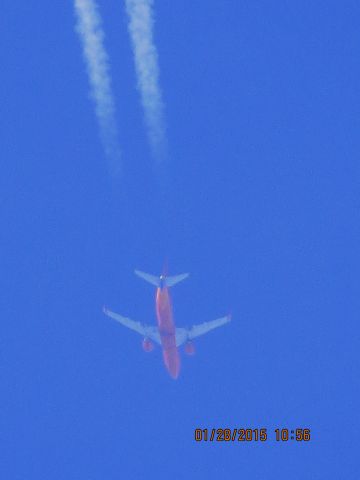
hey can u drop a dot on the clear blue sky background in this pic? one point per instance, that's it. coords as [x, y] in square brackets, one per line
[262, 112]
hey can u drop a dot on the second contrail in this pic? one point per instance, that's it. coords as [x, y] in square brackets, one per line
[147, 70]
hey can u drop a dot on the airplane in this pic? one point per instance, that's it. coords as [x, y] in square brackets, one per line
[165, 333]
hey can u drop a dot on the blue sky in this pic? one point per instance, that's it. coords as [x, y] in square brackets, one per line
[257, 203]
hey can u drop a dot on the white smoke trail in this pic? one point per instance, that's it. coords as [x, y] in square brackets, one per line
[147, 70]
[89, 27]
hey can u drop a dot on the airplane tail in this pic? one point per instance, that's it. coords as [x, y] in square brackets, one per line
[171, 281]
[162, 281]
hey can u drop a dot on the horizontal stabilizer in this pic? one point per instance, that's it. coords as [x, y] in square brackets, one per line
[171, 281]
[162, 281]
[149, 278]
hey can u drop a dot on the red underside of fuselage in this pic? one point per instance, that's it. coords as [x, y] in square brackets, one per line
[167, 332]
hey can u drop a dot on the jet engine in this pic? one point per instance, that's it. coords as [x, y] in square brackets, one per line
[189, 348]
[147, 345]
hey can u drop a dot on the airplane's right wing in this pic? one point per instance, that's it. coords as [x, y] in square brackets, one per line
[184, 334]
[181, 336]
[144, 330]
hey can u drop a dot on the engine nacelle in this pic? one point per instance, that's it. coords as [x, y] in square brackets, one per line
[147, 345]
[189, 348]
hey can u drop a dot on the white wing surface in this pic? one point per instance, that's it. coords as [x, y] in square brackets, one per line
[181, 336]
[202, 328]
[144, 330]
[184, 334]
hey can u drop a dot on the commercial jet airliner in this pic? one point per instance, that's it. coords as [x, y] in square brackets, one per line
[165, 333]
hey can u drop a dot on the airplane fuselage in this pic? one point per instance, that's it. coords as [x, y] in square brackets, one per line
[167, 331]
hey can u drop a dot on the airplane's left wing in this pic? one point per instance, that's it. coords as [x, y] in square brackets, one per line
[184, 334]
[144, 330]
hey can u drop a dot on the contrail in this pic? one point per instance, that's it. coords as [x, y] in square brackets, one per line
[89, 27]
[147, 70]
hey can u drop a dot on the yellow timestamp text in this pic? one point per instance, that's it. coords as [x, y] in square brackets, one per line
[251, 434]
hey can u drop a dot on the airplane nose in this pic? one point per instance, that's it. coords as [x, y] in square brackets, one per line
[172, 362]
[174, 375]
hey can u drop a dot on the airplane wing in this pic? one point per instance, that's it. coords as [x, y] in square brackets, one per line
[181, 335]
[184, 334]
[144, 330]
